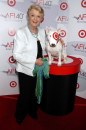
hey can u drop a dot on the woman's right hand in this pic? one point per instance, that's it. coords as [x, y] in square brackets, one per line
[39, 62]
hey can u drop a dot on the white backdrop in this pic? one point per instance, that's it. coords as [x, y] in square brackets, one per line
[69, 15]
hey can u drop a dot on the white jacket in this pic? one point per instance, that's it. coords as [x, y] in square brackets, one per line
[25, 49]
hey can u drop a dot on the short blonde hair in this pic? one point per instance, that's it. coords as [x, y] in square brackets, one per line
[36, 7]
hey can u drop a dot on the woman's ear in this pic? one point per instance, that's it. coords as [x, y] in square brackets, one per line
[42, 20]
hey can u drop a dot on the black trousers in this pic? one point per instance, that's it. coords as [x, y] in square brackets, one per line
[27, 102]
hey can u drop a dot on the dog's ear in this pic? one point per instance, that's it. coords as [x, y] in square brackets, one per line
[47, 29]
[52, 28]
[59, 31]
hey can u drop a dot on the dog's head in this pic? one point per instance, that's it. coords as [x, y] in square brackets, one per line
[52, 36]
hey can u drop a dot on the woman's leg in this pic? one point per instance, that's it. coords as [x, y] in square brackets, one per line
[27, 102]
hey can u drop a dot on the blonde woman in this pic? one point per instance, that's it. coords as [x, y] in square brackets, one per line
[29, 48]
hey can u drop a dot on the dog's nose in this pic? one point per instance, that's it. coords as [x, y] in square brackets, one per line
[52, 45]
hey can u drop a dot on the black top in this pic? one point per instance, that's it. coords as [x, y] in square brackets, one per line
[39, 54]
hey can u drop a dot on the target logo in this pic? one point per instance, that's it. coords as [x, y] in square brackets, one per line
[83, 3]
[11, 60]
[11, 2]
[63, 6]
[55, 35]
[81, 60]
[13, 84]
[63, 33]
[11, 32]
[77, 86]
[82, 33]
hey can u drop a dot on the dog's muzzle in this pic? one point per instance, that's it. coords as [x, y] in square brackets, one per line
[52, 45]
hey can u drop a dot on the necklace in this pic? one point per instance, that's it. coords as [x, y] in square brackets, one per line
[34, 34]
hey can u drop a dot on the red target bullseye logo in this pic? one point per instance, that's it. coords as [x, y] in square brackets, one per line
[77, 86]
[55, 35]
[63, 6]
[11, 2]
[63, 33]
[11, 32]
[83, 3]
[82, 33]
[13, 84]
[81, 60]
[11, 59]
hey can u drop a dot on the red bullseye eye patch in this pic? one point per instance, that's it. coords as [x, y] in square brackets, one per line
[55, 35]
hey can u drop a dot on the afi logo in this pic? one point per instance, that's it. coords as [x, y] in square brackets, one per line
[40, 1]
[81, 17]
[11, 71]
[82, 73]
[11, 2]
[44, 2]
[62, 19]
[14, 16]
[9, 45]
[83, 3]
[82, 33]
[79, 46]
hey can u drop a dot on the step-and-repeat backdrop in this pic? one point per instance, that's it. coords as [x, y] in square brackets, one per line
[69, 15]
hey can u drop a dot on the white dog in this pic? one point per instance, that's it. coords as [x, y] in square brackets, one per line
[55, 46]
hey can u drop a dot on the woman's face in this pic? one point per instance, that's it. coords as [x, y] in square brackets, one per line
[35, 18]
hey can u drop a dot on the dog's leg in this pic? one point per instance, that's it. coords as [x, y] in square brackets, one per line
[59, 59]
[64, 56]
[49, 58]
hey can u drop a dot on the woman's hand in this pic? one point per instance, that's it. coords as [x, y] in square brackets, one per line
[39, 61]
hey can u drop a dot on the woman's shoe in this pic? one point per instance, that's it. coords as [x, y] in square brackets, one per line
[19, 121]
[33, 115]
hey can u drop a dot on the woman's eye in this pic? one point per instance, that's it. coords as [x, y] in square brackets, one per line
[32, 15]
[38, 16]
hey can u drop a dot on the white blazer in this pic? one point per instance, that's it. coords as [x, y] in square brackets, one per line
[25, 49]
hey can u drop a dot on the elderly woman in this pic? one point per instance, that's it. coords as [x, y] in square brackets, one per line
[29, 47]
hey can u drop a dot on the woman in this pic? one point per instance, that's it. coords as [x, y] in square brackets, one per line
[29, 46]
